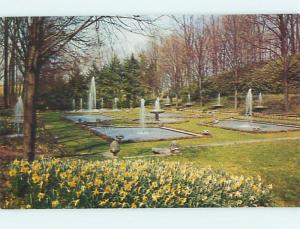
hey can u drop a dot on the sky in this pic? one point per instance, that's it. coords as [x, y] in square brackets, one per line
[125, 42]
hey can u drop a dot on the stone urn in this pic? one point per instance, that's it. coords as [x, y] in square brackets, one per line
[174, 147]
[114, 147]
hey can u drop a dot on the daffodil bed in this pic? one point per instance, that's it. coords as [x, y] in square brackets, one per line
[58, 183]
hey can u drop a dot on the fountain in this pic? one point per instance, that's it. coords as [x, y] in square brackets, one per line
[188, 104]
[249, 103]
[260, 106]
[260, 99]
[253, 126]
[218, 105]
[168, 102]
[142, 115]
[130, 104]
[19, 114]
[177, 107]
[92, 96]
[73, 104]
[115, 105]
[80, 104]
[102, 103]
[157, 109]
[90, 103]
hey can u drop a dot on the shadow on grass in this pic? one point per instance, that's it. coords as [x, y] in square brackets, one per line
[99, 146]
[73, 139]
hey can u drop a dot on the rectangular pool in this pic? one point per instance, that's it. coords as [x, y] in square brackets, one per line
[140, 134]
[254, 126]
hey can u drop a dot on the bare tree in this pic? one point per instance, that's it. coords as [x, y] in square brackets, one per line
[200, 52]
[280, 44]
[45, 37]
[232, 48]
[5, 54]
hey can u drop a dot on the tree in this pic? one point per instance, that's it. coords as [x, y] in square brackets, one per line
[131, 79]
[46, 36]
[281, 44]
[5, 54]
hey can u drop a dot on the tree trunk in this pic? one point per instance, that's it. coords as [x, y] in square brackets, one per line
[235, 98]
[12, 64]
[200, 92]
[236, 89]
[286, 85]
[292, 35]
[297, 34]
[6, 78]
[30, 88]
[283, 26]
[12, 75]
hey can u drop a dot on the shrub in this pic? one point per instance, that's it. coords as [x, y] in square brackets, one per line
[55, 183]
[7, 126]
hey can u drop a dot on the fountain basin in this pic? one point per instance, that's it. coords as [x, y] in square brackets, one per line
[157, 113]
[137, 134]
[253, 126]
[166, 115]
[163, 120]
[88, 118]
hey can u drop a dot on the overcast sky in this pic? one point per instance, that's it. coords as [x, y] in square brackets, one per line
[125, 42]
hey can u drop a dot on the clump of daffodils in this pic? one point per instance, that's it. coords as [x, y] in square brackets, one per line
[56, 183]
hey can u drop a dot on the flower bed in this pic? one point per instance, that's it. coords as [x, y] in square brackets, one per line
[55, 183]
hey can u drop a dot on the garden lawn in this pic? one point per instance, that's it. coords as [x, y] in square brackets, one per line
[276, 162]
[71, 138]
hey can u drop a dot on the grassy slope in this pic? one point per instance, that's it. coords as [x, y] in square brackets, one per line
[276, 162]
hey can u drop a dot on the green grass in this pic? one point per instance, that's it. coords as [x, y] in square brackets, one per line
[71, 138]
[277, 162]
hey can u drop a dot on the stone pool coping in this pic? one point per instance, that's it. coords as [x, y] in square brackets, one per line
[209, 124]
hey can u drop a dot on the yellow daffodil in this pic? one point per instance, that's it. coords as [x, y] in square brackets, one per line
[54, 203]
[40, 196]
[102, 203]
[155, 196]
[12, 172]
[127, 187]
[95, 192]
[107, 189]
[72, 184]
[238, 194]
[78, 193]
[76, 202]
[133, 205]
[36, 178]
[25, 169]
